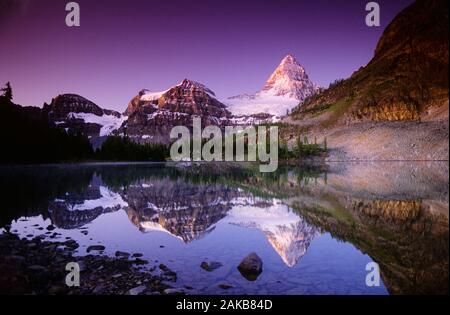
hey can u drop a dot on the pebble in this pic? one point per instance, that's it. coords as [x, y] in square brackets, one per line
[122, 254]
[174, 291]
[137, 290]
[95, 247]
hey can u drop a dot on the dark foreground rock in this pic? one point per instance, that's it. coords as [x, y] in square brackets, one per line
[39, 267]
[251, 267]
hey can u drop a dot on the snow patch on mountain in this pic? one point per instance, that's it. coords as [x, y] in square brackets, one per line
[108, 123]
[262, 103]
[148, 96]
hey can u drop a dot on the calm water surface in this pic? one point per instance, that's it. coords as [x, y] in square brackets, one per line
[315, 228]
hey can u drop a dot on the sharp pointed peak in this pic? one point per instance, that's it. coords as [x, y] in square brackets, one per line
[189, 82]
[289, 58]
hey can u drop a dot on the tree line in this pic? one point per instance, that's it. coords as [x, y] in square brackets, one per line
[116, 148]
[26, 136]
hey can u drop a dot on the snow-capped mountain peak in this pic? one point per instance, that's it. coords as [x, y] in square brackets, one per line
[289, 67]
[287, 86]
[289, 79]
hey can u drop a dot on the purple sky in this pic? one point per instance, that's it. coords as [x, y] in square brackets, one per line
[231, 46]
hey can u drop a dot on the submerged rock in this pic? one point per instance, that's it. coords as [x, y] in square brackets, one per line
[210, 266]
[251, 267]
[225, 286]
[168, 272]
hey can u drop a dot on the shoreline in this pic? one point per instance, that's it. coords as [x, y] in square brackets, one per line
[281, 162]
[38, 266]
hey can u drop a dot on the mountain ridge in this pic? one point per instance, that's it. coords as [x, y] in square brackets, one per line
[152, 115]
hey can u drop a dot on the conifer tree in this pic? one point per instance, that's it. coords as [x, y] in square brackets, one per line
[7, 91]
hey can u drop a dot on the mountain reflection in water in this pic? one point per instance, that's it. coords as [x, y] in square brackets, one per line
[396, 213]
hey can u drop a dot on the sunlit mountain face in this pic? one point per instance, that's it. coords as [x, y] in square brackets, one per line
[285, 88]
[307, 226]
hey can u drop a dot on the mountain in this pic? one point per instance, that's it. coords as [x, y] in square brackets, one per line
[395, 107]
[75, 113]
[286, 87]
[152, 115]
[149, 116]
[289, 80]
[407, 79]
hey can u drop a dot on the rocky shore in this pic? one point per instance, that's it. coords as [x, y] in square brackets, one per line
[37, 266]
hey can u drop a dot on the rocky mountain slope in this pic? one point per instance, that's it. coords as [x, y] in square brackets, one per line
[405, 80]
[286, 86]
[151, 116]
[76, 114]
[396, 107]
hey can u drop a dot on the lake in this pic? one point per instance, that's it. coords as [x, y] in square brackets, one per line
[315, 228]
